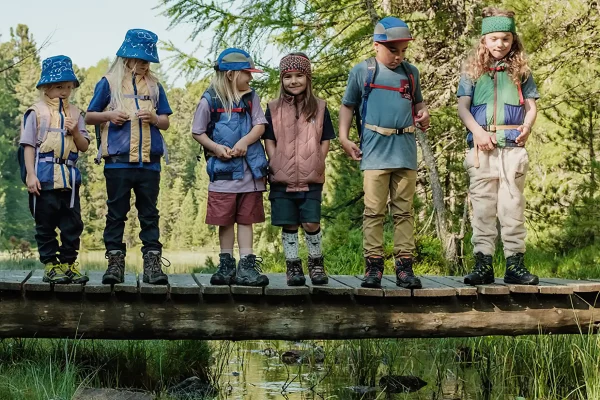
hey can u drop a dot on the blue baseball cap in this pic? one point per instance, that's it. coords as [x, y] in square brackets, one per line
[140, 44]
[57, 69]
[233, 59]
[391, 29]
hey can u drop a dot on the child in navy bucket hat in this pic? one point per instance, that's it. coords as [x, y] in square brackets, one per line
[385, 93]
[52, 135]
[228, 123]
[129, 109]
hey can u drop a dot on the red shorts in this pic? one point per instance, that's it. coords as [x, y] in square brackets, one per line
[225, 209]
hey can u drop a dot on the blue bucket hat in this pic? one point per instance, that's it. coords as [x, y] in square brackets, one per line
[57, 69]
[233, 59]
[391, 29]
[140, 44]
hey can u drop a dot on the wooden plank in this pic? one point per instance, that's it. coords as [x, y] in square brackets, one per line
[183, 284]
[69, 288]
[130, 285]
[354, 283]
[431, 288]
[513, 288]
[389, 287]
[554, 288]
[278, 287]
[579, 286]
[247, 290]
[333, 288]
[493, 289]
[148, 288]
[94, 285]
[461, 288]
[206, 288]
[13, 279]
[35, 282]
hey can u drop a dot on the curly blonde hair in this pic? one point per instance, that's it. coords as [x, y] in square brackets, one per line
[480, 61]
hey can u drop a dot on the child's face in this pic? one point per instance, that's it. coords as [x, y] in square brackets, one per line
[140, 67]
[390, 54]
[60, 90]
[499, 44]
[294, 82]
[243, 81]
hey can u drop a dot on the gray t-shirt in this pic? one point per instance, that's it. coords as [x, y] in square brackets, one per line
[29, 135]
[386, 109]
[248, 183]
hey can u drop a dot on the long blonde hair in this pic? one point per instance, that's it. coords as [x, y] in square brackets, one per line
[117, 72]
[226, 89]
[480, 61]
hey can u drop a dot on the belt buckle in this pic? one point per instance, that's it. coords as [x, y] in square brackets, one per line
[399, 131]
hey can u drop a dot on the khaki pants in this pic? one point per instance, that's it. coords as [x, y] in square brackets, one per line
[496, 191]
[399, 185]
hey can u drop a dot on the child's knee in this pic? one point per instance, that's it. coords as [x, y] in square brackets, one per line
[311, 226]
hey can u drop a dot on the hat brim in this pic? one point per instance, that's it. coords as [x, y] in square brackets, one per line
[258, 71]
[394, 40]
[75, 81]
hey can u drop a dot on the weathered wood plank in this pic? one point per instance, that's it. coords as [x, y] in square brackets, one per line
[157, 290]
[206, 288]
[390, 289]
[94, 285]
[579, 286]
[130, 285]
[278, 287]
[513, 288]
[12, 280]
[69, 288]
[35, 282]
[333, 288]
[247, 290]
[183, 284]
[554, 288]
[354, 283]
[432, 288]
[461, 288]
[493, 289]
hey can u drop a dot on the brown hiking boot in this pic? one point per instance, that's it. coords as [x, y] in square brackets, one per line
[294, 273]
[373, 272]
[316, 271]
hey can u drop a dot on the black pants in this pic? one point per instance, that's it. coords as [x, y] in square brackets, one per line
[145, 184]
[53, 211]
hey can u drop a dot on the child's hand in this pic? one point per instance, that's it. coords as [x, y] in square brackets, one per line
[222, 152]
[522, 138]
[422, 119]
[118, 117]
[33, 184]
[352, 150]
[240, 149]
[483, 140]
[148, 116]
[71, 124]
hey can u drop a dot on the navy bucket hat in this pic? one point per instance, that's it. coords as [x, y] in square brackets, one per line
[233, 59]
[391, 29]
[57, 69]
[140, 44]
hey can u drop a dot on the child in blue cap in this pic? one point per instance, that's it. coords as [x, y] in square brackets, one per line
[52, 135]
[228, 123]
[388, 150]
[131, 108]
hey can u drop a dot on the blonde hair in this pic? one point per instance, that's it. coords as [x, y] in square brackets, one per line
[47, 86]
[480, 61]
[117, 72]
[226, 89]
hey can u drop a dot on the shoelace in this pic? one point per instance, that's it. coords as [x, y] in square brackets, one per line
[519, 270]
[317, 270]
[255, 263]
[374, 272]
[74, 268]
[114, 260]
[295, 270]
[157, 262]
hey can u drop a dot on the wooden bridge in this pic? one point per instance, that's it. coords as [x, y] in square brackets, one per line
[190, 308]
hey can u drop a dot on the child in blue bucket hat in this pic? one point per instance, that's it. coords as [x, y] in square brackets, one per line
[130, 108]
[228, 123]
[52, 135]
[387, 153]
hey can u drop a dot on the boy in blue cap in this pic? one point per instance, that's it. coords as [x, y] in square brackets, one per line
[388, 151]
[131, 108]
[52, 135]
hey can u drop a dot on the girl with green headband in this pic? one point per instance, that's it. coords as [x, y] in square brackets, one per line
[497, 103]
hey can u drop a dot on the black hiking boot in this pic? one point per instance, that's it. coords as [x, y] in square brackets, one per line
[405, 277]
[294, 273]
[115, 273]
[373, 272]
[249, 272]
[225, 272]
[517, 273]
[316, 271]
[153, 273]
[483, 273]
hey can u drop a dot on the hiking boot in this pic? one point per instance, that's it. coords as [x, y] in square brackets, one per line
[405, 277]
[115, 273]
[373, 272]
[294, 273]
[249, 272]
[55, 273]
[316, 271]
[483, 273]
[153, 273]
[72, 271]
[517, 273]
[225, 271]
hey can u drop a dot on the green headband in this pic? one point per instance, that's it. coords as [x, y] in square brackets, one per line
[497, 24]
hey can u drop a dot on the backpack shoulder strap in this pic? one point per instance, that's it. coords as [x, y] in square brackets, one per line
[42, 111]
[247, 102]
[154, 92]
[372, 69]
[411, 79]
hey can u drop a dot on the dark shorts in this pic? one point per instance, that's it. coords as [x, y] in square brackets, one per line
[295, 208]
[225, 209]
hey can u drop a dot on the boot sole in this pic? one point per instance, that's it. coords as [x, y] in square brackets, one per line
[320, 282]
[158, 281]
[81, 280]
[225, 282]
[111, 280]
[371, 285]
[515, 282]
[409, 285]
[473, 283]
[254, 284]
[60, 281]
[297, 283]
